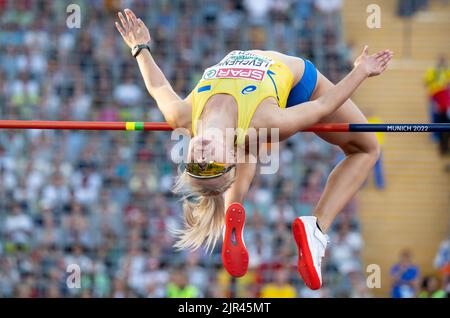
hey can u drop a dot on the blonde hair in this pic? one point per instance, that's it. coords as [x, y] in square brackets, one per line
[204, 212]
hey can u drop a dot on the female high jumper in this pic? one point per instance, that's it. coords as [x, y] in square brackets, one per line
[257, 90]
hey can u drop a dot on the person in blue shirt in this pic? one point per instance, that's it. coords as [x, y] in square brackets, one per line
[404, 277]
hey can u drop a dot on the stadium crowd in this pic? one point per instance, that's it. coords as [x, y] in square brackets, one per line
[102, 200]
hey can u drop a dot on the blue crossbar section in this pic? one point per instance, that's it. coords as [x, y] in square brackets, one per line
[399, 127]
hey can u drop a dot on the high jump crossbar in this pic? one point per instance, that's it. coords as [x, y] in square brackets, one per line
[161, 126]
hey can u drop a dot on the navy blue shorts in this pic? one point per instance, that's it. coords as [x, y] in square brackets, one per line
[302, 92]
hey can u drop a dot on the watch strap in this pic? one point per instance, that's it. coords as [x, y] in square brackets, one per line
[138, 48]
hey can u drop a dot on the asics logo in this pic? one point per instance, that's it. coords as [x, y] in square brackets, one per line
[248, 89]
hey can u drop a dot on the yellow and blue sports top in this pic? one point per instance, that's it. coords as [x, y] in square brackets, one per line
[250, 78]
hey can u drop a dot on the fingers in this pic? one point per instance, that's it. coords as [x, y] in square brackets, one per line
[382, 54]
[366, 50]
[385, 62]
[132, 20]
[377, 55]
[384, 67]
[131, 15]
[119, 28]
[383, 57]
[124, 22]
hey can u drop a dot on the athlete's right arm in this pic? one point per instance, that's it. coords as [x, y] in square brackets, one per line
[245, 172]
[134, 32]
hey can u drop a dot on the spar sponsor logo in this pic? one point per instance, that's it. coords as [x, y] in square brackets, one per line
[245, 73]
[234, 72]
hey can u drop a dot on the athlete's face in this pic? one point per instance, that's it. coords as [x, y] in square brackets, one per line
[204, 149]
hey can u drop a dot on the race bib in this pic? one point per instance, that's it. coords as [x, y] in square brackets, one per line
[240, 64]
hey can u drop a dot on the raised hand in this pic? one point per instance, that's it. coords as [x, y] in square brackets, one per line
[132, 29]
[374, 64]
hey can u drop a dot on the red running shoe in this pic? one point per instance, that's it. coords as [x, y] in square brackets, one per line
[234, 252]
[311, 245]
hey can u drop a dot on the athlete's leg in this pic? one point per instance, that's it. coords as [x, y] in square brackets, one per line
[361, 153]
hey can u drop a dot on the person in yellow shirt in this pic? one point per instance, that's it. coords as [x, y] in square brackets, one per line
[179, 286]
[378, 168]
[437, 83]
[280, 288]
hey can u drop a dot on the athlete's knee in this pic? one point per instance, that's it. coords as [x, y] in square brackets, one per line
[367, 144]
[372, 147]
[375, 148]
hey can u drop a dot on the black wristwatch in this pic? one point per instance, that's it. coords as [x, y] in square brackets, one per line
[138, 48]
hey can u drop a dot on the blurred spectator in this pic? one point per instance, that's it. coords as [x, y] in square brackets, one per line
[49, 233]
[119, 289]
[378, 169]
[442, 259]
[198, 277]
[312, 191]
[347, 245]
[280, 288]
[437, 82]
[229, 19]
[257, 10]
[404, 277]
[430, 288]
[179, 286]
[56, 193]
[18, 227]
[128, 93]
[328, 6]
[76, 227]
[9, 276]
[442, 264]
[359, 287]
[258, 238]
[100, 280]
[281, 211]
[79, 257]
[329, 11]
[407, 8]
[153, 279]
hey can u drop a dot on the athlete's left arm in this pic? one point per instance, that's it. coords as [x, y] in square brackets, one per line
[294, 119]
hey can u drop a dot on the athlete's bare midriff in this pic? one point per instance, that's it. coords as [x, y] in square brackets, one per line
[268, 108]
